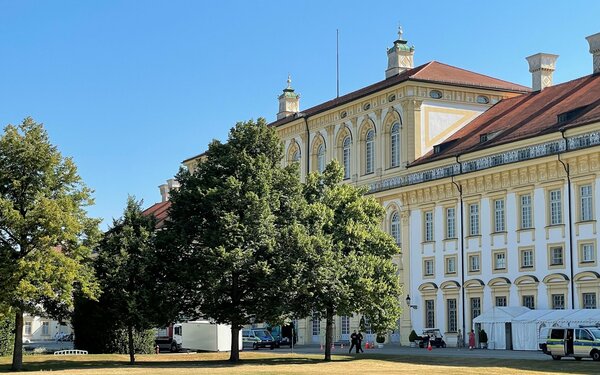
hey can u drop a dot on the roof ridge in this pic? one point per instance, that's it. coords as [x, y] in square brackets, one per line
[479, 74]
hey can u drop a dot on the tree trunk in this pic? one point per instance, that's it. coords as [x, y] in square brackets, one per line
[235, 343]
[17, 363]
[131, 348]
[328, 334]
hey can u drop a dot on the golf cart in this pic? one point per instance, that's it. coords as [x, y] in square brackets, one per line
[434, 336]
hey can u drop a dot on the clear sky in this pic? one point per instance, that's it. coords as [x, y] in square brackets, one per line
[129, 89]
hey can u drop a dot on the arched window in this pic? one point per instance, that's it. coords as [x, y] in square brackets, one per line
[395, 227]
[321, 158]
[346, 157]
[296, 156]
[395, 145]
[370, 152]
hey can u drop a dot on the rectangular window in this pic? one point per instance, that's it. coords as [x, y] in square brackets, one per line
[451, 265]
[585, 203]
[587, 253]
[499, 222]
[428, 267]
[474, 263]
[556, 256]
[451, 222]
[428, 226]
[499, 261]
[28, 328]
[316, 325]
[526, 221]
[558, 301]
[429, 313]
[45, 328]
[527, 258]
[529, 302]
[474, 219]
[345, 325]
[555, 207]
[501, 301]
[452, 320]
[475, 307]
[589, 300]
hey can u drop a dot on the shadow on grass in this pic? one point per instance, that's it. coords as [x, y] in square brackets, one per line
[511, 365]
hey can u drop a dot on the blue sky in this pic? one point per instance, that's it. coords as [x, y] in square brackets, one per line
[129, 89]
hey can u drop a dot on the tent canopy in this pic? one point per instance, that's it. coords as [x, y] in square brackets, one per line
[501, 314]
[557, 316]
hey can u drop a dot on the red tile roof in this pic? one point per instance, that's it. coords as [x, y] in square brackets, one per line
[526, 116]
[160, 212]
[433, 72]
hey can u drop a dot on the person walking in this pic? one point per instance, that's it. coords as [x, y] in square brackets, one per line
[359, 338]
[354, 341]
[471, 340]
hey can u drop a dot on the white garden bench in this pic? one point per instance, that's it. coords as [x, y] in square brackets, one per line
[71, 352]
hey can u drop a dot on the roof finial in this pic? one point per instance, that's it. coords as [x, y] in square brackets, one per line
[400, 32]
[289, 81]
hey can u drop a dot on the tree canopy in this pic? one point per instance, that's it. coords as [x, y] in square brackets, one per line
[45, 234]
[235, 226]
[348, 261]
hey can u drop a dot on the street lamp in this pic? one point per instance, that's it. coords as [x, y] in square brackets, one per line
[408, 303]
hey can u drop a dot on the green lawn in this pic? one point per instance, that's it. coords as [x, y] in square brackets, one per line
[266, 363]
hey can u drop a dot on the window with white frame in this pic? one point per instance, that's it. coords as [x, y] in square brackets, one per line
[370, 152]
[45, 328]
[499, 222]
[429, 313]
[587, 253]
[589, 300]
[451, 314]
[526, 221]
[501, 301]
[585, 203]
[395, 227]
[316, 325]
[428, 226]
[346, 157]
[428, 267]
[450, 222]
[451, 265]
[500, 260]
[321, 158]
[558, 301]
[395, 145]
[529, 302]
[527, 258]
[474, 263]
[475, 307]
[345, 325]
[28, 328]
[474, 219]
[556, 256]
[555, 207]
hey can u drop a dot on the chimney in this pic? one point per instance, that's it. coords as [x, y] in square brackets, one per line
[400, 56]
[594, 41]
[165, 189]
[541, 67]
[289, 101]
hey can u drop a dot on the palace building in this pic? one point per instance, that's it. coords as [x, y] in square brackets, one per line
[490, 188]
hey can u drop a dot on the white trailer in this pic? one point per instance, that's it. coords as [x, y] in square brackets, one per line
[203, 335]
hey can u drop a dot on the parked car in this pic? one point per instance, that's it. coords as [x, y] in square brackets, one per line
[434, 336]
[258, 338]
[582, 342]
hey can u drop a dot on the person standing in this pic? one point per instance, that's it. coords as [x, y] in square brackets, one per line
[359, 338]
[459, 340]
[471, 340]
[354, 341]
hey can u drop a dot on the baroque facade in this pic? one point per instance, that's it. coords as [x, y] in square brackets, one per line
[490, 188]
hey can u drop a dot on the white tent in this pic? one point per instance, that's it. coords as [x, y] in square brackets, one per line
[526, 328]
[494, 323]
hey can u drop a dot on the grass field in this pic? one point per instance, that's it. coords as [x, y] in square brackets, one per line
[266, 363]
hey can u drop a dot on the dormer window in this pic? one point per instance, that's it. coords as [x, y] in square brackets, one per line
[487, 136]
[435, 94]
[570, 115]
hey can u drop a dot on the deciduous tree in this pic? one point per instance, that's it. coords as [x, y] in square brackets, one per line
[45, 233]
